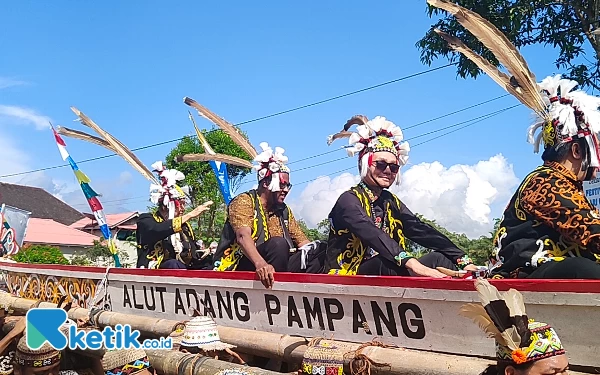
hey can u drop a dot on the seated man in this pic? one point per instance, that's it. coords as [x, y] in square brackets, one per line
[369, 225]
[550, 230]
[260, 231]
[165, 239]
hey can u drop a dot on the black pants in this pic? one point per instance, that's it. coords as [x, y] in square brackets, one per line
[570, 268]
[274, 251]
[315, 260]
[380, 266]
[172, 264]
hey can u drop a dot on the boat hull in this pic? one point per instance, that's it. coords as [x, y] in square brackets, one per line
[414, 313]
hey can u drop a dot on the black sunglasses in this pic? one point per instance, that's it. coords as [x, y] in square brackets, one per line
[382, 166]
[285, 185]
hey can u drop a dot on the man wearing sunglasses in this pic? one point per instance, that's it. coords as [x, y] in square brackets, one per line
[369, 225]
[261, 233]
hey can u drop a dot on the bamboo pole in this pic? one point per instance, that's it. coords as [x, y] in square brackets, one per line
[171, 362]
[286, 348]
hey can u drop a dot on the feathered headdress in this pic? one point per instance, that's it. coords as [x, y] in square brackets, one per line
[562, 113]
[168, 193]
[372, 136]
[503, 318]
[269, 162]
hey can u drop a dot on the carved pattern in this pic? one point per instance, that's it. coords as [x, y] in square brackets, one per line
[48, 288]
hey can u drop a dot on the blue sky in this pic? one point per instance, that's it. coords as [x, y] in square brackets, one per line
[128, 65]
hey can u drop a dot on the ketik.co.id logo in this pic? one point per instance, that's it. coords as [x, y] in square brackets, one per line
[44, 325]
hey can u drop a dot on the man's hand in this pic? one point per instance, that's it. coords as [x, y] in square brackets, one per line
[420, 270]
[196, 211]
[471, 267]
[266, 274]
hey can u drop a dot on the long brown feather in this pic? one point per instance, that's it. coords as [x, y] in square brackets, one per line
[118, 147]
[478, 315]
[224, 125]
[356, 120]
[498, 311]
[83, 136]
[506, 53]
[233, 160]
[341, 135]
[201, 138]
[516, 305]
[498, 76]
[345, 133]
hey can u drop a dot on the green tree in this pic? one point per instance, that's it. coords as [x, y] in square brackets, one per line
[40, 254]
[311, 233]
[200, 177]
[98, 254]
[478, 249]
[568, 25]
[323, 228]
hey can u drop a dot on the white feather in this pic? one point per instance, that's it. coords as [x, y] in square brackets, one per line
[550, 84]
[537, 143]
[531, 131]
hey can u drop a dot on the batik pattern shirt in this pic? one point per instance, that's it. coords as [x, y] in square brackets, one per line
[246, 210]
[548, 219]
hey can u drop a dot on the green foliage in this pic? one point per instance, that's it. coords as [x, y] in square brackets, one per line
[98, 254]
[200, 177]
[323, 228]
[40, 254]
[478, 249]
[566, 25]
[311, 233]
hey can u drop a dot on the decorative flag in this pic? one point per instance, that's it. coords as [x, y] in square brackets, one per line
[90, 195]
[219, 168]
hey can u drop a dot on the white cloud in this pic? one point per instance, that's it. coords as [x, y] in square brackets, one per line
[15, 159]
[319, 196]
[23, 115]
[125, 178]
[6, 82]
[460, 198]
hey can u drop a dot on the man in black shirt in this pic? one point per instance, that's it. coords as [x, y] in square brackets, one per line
[369, 225]
[166, 239]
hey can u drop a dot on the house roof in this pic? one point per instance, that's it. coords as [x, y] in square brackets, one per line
[50, 232]
[113, 220]
[39, 202]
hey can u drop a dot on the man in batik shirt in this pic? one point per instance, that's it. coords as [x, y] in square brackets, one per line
[261, 233]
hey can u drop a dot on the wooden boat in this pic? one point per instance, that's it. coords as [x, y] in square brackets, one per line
[414, 313]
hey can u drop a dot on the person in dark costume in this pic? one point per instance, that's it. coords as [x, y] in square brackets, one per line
[369, 225]
[261, 233]
[549, 229]
[165, 239]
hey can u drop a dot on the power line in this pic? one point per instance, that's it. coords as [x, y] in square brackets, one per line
[411, 126]
[477, 120]
[465, 124]
[249, 121]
